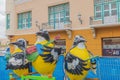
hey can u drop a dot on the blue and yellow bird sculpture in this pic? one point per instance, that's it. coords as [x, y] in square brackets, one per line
[44, 63]
[17, 62]
[77, 60]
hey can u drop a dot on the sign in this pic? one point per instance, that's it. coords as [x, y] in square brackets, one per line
[111, 47]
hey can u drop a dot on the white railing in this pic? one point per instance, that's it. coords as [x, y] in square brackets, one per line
[58, 27]
[105, 20]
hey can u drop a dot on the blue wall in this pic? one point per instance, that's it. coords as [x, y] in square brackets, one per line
[4, 74]
[59, 70]
[108, 68]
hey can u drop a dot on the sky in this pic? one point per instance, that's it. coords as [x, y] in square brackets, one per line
[2, 19]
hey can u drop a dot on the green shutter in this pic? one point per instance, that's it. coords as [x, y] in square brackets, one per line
[29, 16]
[54, 16]
[118, 11]
[7, 21]
[95, 11]
[29, 20]
[19, 21]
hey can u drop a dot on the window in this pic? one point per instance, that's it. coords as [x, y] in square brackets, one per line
[113, 9]
[97, 1]
[24, 20]
[105, 8]
[98, 12]
[7, 21]
[111, 47]
[59, 15]
[110, 9]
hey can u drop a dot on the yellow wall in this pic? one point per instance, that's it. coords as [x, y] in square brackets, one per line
[31, 38]
[93, 44]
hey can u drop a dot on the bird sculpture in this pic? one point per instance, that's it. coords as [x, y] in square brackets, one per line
[77, 60]
[17, 62]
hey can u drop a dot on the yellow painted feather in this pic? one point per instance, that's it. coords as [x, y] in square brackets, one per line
[20, 72]
[84, 55]
[41, 66]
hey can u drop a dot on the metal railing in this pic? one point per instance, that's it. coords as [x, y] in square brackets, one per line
[62, 25]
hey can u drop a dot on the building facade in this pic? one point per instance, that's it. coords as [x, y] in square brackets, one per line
[96, 20]
[3, 43]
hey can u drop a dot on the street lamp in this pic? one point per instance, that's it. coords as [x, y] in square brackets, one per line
[37, 24]
[79, 18]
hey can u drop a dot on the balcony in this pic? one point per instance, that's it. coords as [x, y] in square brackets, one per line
[59, 26]
[108, 21]
[105, 22]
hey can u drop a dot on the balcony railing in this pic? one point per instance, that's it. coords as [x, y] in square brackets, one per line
[105, 20]
[59, 26]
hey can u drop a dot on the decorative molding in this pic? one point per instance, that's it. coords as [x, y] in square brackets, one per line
[21, 1]
[57, 2]
[53, 30]
[23, 10]
[93, 32]
[69, 33]
[7, 12]
[81, 28]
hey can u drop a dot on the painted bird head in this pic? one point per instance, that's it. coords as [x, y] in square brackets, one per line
[42, 35]
[20, 43]
[78, 39]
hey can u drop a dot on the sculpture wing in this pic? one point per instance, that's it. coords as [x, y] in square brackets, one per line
[75, 65]
[53, 56]
[47, 58]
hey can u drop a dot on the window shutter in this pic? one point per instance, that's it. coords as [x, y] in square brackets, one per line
[29, 19]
